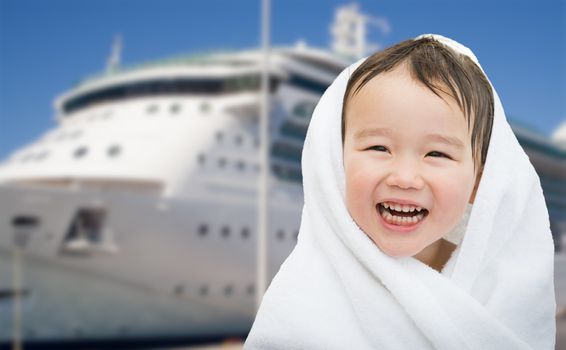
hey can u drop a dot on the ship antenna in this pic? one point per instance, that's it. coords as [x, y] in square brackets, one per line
[115, 55]
[263, 186]
[349, 31]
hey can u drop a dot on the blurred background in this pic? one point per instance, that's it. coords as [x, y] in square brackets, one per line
[131, 152]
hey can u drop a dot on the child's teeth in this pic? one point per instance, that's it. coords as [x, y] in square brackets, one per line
[401, 220]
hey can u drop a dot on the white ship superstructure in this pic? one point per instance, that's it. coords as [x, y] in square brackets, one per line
[150, 178]
[135, 216]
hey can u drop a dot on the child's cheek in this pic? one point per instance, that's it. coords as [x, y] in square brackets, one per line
[451, 195]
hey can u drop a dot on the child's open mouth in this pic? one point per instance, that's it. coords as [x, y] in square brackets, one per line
[401, 215]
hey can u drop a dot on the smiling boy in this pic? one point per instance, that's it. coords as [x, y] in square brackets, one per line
[396, 151]
[408, 156]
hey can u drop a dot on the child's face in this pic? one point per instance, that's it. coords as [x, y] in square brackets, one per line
[393, 153]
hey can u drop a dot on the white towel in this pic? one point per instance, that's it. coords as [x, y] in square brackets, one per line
[338, 290]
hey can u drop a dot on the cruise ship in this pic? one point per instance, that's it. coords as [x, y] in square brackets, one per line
[135, 218]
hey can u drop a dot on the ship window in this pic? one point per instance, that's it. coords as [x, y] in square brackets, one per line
[152, 109]
[86, 229]
[240, 165]
[287, 173]
[250, 289]
[219, 136]
[27, 158]
[280, 235]
[41, 156]
[24, 226]
[168, 86]
[80, 152]
[175, 108]
[107, 115]
[239, 140]
[293, 130]
[25, 221]
[286, 151]
[179, 289]
[201, 158]
[221, 162]
[225, 231]
[202, 230]
[245, 232]
[307, 84]
[203, 290]
[205, 107]
[304, 110]
[114, 150]
[228, 290]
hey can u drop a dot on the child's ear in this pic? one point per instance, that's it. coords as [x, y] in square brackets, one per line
[476, 185]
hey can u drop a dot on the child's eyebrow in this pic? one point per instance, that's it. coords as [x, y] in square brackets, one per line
[449, 140]
[361, 134]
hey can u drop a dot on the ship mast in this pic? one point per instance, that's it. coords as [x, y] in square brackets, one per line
[263, 204]
[349, 32]
[115, 55]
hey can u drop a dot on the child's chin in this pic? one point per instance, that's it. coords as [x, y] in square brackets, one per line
[396, 252]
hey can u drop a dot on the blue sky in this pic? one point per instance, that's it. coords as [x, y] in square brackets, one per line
[46, 46]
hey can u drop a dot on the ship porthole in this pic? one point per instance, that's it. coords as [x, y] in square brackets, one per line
[228, 290]
[201, 158]
[80, 152]
[250, 289]
[175, 108]
[114, 151]
[225, 231]
[41, 155]
[202, 230]
[245, 232]
[179, 289]
[151, 109]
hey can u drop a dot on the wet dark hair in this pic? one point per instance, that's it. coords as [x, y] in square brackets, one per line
[441, 69]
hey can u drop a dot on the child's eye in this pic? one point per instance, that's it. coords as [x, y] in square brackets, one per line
[437, 154]
[377, 148]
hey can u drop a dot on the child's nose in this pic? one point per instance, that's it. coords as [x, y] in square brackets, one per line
[405, 175]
